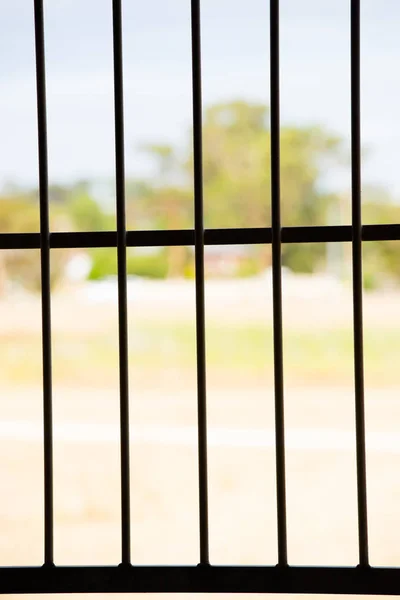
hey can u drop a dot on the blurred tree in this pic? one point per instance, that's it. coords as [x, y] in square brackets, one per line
[20, 214]
[236, 171]
[168, 205]
[236, 182]
[58, 194]
[138, 213]
[86, 214]
[170, 208]
[380, 258]
[236, 168]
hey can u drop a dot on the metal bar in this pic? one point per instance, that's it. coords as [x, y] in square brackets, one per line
[298, 235]
[191, 579]
[83, 239]
[45, 283]
[357, 283]
[162, 238]
[277, 284]
[199, 265]
[212, 237]
[19, 241]
[122, 284]
[374, 233]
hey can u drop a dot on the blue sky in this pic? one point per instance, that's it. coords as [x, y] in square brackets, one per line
[315, 78]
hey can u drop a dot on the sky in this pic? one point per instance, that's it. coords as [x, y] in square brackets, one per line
[315, 79]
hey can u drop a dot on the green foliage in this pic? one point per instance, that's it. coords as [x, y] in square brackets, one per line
[152, 266]
[104, 264]
[86, 214]
[303, 258]
[248, 267]
[381, 258]
[189, 272]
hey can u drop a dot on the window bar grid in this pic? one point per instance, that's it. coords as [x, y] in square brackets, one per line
[265, 579]
[199, 281]
[45, 283]
[357, 282]
[122, 282]
[277, 283]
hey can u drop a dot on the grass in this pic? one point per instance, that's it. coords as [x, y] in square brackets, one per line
[237, 352]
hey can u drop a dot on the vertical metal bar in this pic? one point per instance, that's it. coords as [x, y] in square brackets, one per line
[45, 283]
[199, 263]
[357, 282]
[122, 287]
[277, 282]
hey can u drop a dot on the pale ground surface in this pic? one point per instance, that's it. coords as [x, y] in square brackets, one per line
[320, 474]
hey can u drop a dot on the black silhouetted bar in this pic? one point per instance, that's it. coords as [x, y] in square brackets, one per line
[122, 287]
[212, 237]
[199, 264]
[277, 283]
[357, 282]
[191, 579]
[45, 283]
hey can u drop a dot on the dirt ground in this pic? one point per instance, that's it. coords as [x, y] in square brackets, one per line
[320, 481]
[321, 475]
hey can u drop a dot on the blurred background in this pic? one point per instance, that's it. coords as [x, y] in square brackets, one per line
[317, 300]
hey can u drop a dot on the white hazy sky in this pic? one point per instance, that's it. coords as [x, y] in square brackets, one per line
[315, 78]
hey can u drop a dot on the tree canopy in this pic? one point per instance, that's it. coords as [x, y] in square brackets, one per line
[237, 193]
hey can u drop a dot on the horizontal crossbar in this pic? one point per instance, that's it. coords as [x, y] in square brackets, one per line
[211, 579]
[212, 237]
